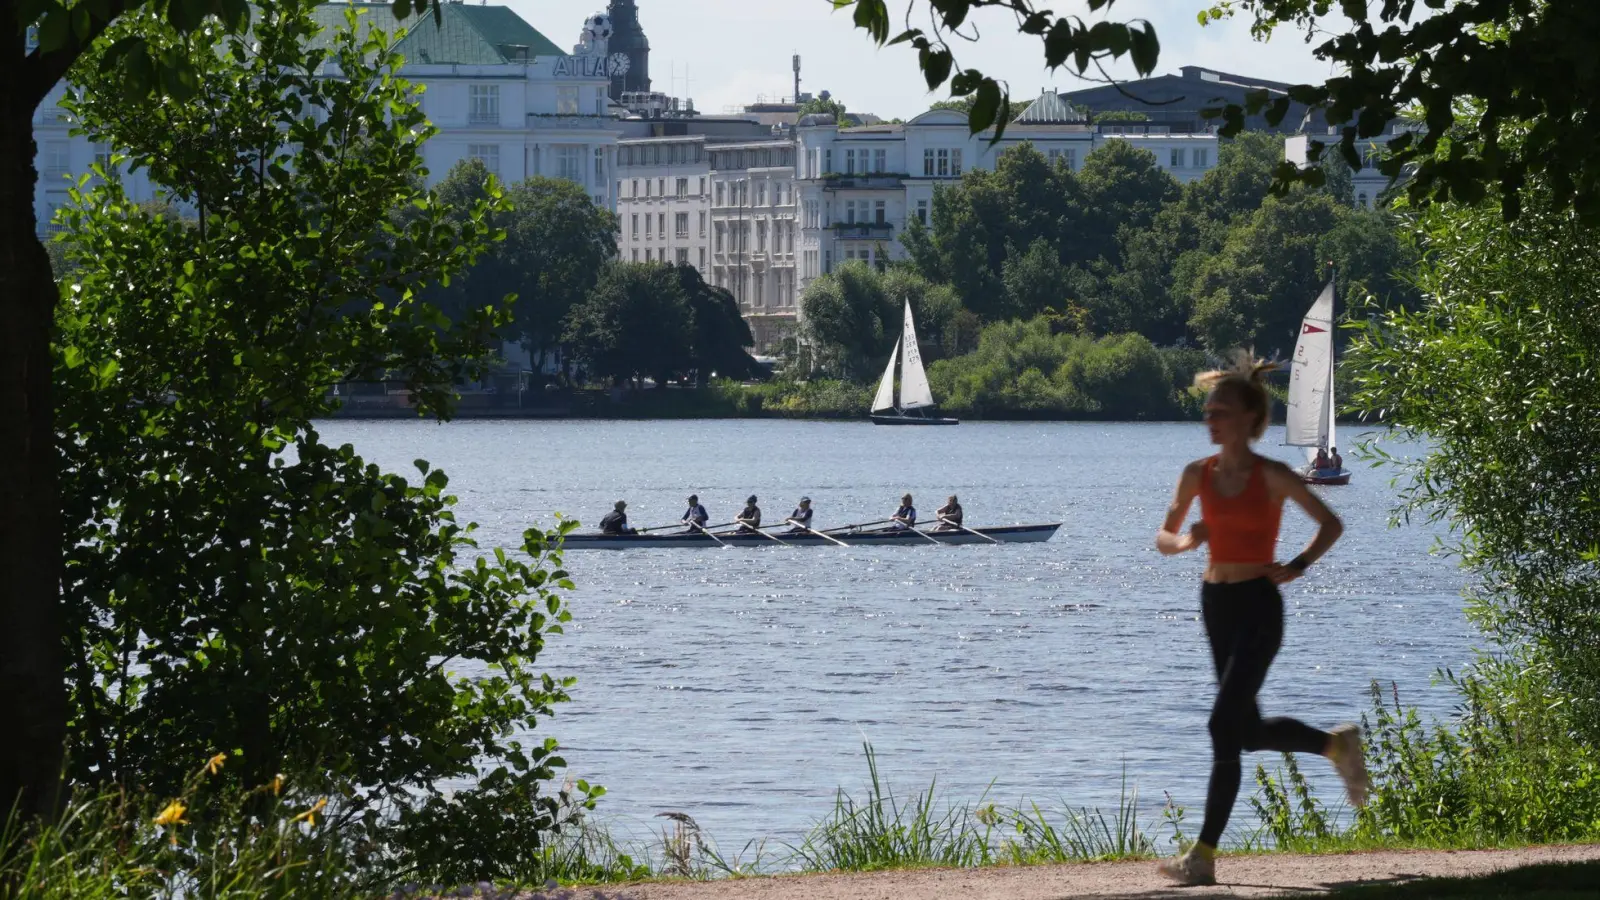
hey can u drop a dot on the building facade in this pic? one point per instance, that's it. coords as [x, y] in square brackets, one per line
[497, 90]
[755, 235]
[860, 187]
[1369, 186]
[664, 200]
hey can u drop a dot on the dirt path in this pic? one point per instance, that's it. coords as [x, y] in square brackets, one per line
[1250, 876]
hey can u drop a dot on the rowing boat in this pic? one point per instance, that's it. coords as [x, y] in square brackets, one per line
[1005, 534]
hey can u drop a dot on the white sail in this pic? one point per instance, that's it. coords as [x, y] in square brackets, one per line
[885, 397]
[1311, 382]
[914, 390]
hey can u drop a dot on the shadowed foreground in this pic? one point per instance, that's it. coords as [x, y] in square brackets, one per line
[1389, 875]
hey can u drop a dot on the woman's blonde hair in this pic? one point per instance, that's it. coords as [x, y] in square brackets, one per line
[1244, 381]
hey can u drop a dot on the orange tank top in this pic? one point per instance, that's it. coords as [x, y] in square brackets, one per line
[1243, 528]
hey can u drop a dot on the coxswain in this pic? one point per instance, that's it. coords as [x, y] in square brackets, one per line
[1241, 496]
[616, 521]
[801, 517]
[695, 516]
[750, 519]
[949, 515]
[904, 517]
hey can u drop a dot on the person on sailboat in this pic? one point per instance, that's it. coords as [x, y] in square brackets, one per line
[750, 519]
[904, 517]
[949, 515]
[1322, 461]
[616, 521]
[801, 517]
[1241, 498]
[1336, 462]
[695, 516]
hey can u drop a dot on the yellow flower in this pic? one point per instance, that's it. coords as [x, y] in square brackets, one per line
[215, 763]
[310, 815]
[277, 784]
[173, 814]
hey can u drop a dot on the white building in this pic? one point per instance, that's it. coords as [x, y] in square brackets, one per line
[754, 236]
[1369, 185]
[496, 88]
[858, 187]
[664, 200]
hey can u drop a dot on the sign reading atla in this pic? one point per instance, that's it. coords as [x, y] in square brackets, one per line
[583, 67]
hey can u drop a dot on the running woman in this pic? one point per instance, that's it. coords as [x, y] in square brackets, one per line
[1241, 501]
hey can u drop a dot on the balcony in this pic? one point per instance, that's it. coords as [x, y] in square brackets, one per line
[874, 181]
[863, 231]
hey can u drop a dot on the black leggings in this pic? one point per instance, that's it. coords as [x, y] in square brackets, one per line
[1244, 622]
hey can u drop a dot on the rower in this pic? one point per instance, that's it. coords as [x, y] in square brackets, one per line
[801, 517]
[616, 521]
[695, 517]
[949, 515]
[750, 519]
[904, 517]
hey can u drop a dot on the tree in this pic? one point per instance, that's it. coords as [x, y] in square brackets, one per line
[848, 320]
[232, 584]
[33, 704]
[556, 241]
[1124, 187]
[720, 332]
[1497, 370]
[635, 323]
[1472, 67]
[825, 104]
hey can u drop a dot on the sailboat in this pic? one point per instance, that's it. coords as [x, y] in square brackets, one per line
[1311, 404]
[915, 395]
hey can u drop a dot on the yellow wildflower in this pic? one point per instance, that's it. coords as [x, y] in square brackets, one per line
[277, 784]
[173, 814]
[215, 763]
[310, 815]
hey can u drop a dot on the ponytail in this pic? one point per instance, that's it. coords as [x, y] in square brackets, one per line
[1244, 381]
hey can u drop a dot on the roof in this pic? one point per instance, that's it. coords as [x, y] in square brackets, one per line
[1050, 109]
[466, 35]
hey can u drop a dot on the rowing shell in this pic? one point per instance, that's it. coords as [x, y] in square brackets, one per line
[1006, 534]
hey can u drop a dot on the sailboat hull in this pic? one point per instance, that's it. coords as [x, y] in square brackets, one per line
[1325, 476]
[912, 420]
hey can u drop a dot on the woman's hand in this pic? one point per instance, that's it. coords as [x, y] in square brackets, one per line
[1282, 574]
[1199, 533]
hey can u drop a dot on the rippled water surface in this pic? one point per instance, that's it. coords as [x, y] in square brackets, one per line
[739, 685]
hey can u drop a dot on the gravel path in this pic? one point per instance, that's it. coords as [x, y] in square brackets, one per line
[1245, 876]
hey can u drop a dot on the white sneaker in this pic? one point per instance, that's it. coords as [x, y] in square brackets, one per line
[1189, 870]
[1350, 762]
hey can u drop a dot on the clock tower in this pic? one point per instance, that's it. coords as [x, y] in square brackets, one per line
[628, 38]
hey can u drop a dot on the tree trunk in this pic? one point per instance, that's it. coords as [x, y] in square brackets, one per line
[33, 698]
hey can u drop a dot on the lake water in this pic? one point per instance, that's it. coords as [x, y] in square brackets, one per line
[739, 685]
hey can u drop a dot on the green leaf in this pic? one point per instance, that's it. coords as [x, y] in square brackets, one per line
[936, 67]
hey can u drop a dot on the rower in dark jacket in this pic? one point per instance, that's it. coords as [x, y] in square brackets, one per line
[616, 521]
[750, 519]
[949, 515]
[695, 516]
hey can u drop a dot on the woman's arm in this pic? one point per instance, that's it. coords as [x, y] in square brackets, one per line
[1282, 481]
[1171, 539]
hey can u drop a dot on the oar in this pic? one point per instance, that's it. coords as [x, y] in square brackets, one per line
[860, 525]
[702, 530]
[819, 534]
[968, 530]
[924, 534]
[771, 537]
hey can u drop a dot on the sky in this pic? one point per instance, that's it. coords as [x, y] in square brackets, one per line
[726, 53]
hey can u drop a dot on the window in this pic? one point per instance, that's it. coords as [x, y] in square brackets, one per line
[720, 231]
[702, 257]
[683, 188]
[761, 237]
[850, 162]
[102, 157]
[567, 100]
[661, 187]
[789, 236]
[827, 261]
[719, 194]
[648, 233]
[619, 190]
[702, 223]
[922, 211]
[569, 163]
[927, 162]
[599, 166]
[880, 212]
[636, 225]
[633, 188]
[761, 193]
[483, 104]
[955, 162]
[1071, 156]
[1202, 157]
[1361, 199]
[758, 283]
[849, 212]
[636, 254]
[702, 187]
[942, 156]
[56, 158]
[827, 160]
[680, 224]
[1177, 158]
[647, 254]
[880, 160]
[661, 225]
[683, 255]
[599, 102]
[488, 154]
